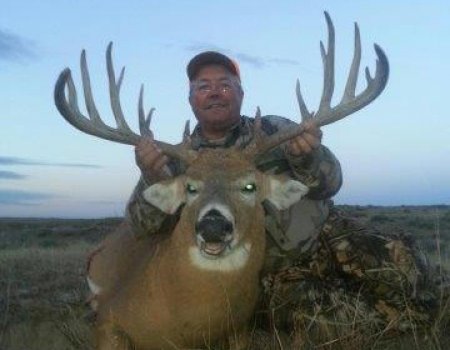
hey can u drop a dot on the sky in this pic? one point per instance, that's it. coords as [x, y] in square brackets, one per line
[393, 152]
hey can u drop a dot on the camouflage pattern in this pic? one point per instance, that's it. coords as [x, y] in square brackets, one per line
[359, 282]
[296, 228]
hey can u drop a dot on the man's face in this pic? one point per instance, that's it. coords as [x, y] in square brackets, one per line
[216, 98]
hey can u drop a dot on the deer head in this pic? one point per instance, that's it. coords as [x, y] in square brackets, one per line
[222, 192]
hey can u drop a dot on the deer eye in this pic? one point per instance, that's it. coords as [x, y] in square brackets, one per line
[249, 188]
[191, 189]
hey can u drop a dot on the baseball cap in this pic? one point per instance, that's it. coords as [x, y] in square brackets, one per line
[211, 57]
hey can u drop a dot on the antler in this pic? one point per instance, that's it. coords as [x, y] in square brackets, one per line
[349, 103]
[94, 125]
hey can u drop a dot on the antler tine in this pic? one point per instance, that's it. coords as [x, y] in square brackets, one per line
[114, 91]
[252, 149]
[328, 68]
[187, 132]
[306, 115]
[258, 118]
[179, 151]
[144, 121]
[350, 87]
[89, 99]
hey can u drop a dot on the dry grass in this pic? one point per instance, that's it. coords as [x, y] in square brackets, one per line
[43, 291]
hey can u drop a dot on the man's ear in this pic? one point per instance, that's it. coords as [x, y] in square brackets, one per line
[166, 195]
[241, 94]
[190, 97]
[282, 192]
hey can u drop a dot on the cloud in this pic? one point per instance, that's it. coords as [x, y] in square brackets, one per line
[22, 161]
[17, 197]
[204, 47]
[255, 61]
[15, 48]
[11, 175]
[286, 61]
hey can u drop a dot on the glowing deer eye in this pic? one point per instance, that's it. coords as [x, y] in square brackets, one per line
[249, 188]
[191, 189]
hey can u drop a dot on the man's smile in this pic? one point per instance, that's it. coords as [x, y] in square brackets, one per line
[216, 105]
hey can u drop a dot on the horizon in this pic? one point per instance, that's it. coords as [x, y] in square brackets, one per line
[393, 152]
[122, 217]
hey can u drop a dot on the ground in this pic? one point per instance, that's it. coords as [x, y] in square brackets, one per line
[42, 269]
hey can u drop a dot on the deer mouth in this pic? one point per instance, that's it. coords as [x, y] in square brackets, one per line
[214, 249]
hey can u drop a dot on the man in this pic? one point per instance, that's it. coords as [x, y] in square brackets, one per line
[216, 97]
[319, 265]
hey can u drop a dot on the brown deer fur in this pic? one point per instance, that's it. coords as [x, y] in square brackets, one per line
[154, 295]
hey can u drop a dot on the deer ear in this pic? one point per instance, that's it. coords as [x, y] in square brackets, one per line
[283, 192]
[166, 195]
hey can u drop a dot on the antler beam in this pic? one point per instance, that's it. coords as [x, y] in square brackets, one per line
[94, 125]
[349, 103]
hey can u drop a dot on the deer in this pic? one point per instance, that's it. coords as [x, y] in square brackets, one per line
[198, 286]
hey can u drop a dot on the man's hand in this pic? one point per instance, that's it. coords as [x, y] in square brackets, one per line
[151, 160]
[306, 142]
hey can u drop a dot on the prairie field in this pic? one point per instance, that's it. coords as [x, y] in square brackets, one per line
[42, 273]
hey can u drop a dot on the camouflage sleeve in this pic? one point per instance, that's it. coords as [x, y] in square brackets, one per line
[320, 170]
[145, 218]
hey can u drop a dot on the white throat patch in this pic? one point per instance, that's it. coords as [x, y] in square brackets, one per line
[233, 261]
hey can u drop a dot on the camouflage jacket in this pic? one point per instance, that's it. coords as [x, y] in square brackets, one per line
[290, 232]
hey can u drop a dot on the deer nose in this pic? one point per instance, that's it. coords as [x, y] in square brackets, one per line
[214, 227]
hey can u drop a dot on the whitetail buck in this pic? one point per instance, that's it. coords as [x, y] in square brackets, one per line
[198, 286]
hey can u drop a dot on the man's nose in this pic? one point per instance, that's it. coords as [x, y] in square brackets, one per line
[215, 90]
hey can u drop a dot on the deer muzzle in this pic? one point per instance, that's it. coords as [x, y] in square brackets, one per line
[214, 233]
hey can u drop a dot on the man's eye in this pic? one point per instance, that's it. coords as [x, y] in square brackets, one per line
[249, 188]
[204, 87]
[225, 86]
[191, 189]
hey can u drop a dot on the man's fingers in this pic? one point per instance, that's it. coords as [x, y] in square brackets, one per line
[145, 144]
[313, 129]
[312, 140]
[294, 148]
[146, 153]
[304, 145]
[159, 163]
[299, 146]
[151, 158]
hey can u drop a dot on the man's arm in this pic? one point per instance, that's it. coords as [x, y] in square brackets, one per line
[319, 170]
[309, 161]
[146, 219]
